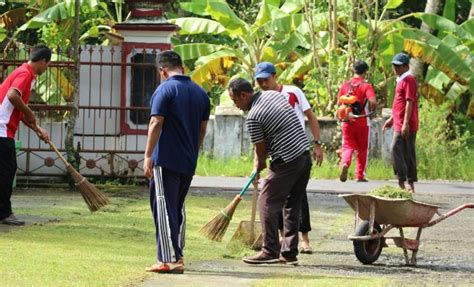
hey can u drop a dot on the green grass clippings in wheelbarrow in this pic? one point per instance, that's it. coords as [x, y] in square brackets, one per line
[379, 215]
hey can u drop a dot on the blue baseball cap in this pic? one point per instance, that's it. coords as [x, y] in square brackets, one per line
[401, 59]
[264, 70]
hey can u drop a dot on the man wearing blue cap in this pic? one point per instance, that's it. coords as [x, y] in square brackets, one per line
[265, 74]
[275, 132]
[404, 121]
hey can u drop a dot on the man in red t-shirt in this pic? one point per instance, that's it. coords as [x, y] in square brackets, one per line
[14, 97]
[356, 131]
[404, 120]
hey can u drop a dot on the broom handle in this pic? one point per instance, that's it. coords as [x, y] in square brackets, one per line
[254, 211]
[58, 153]
[249, 182]
[54, 148]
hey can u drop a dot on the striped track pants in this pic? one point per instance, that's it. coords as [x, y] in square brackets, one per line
[168, 191]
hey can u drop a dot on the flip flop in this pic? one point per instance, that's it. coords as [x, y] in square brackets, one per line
[167, 268]
[306, 250]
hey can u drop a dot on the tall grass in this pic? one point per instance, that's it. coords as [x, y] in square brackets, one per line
[444, 151]
[432, 164]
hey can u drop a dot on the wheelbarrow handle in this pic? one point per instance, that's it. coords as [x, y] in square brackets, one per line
[249, 182]
[450, 213]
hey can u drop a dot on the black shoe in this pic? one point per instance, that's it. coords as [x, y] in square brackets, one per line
[362, 180]
[288, 260]
[12, 220]
[344, 171]
[260, 258]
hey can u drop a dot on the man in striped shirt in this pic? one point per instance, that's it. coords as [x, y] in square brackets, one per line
[265, 74]
[276, 132]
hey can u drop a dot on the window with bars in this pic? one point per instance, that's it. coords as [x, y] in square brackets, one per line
[144, 80]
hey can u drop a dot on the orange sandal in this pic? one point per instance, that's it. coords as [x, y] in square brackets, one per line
[167, 268]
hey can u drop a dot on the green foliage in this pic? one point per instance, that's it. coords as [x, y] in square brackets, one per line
[54, 20]
[433, 163]
[391, 192]
[55, 36]
[3, 34]
[272, 36]
[442, 149]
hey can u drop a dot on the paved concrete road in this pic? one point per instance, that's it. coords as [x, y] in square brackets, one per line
[335, 186]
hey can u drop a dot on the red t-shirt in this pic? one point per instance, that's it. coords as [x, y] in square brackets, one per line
[363, 91]
[405, 91]
[21, 79]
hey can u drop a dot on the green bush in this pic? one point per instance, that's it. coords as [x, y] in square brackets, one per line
[442, 149]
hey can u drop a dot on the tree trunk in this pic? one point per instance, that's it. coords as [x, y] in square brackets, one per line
[332, 54]
[333, 22]
[418, 67]
[351, 43]
[71, 121]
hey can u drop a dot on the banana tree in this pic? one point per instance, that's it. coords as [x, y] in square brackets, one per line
[272, 37]
[97, 19]
[450, 56]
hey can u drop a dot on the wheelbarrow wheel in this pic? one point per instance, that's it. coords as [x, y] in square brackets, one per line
[367, 251]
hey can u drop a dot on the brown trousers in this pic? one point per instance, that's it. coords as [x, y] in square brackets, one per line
[404, 157]
[283, 191]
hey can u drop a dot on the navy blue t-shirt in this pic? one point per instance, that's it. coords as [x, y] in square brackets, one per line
[184, 105]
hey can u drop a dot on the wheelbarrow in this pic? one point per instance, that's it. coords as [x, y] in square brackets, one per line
[380, 215]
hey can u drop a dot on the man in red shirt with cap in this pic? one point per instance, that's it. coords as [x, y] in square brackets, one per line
[14, 97]
[404, 121]
[356, 131]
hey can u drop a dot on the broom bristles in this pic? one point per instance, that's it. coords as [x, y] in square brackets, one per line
[94, 198]
[217, 226]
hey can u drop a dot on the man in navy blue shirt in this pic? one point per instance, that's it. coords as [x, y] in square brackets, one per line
[178, 120]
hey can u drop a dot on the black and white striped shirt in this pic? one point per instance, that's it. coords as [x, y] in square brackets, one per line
[271, 119]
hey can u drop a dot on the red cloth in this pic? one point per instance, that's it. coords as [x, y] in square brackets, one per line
[292, 98]
[22, 80]
[355, 139]
[405, 91]
[362, 90]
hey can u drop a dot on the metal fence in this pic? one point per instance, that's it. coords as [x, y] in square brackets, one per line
[110, 131]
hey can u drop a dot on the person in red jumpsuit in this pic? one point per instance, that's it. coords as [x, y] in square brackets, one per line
[356, 131]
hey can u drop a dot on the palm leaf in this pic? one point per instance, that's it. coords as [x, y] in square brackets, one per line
[194, 26]
[449, 63]
[60, 11]
[213, 69]
[195, 50]
[222, 13]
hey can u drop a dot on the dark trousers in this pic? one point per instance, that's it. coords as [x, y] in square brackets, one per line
[404, 157]
[7, 174]
[168, 191]
[284, 189]
[305, 219]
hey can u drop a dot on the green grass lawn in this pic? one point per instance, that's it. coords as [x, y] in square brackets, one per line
[112, 247]
[108, 248]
